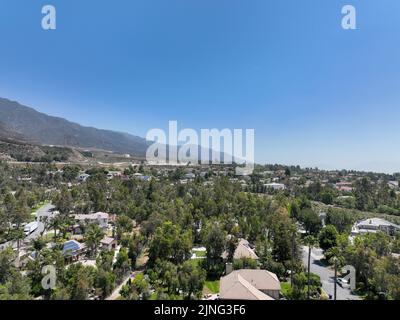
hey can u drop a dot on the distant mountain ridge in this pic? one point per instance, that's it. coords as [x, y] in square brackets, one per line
[8, 134]
[22, 121]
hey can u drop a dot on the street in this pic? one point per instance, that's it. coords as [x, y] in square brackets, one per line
[326, 274]
[115, 294]
[45, 211]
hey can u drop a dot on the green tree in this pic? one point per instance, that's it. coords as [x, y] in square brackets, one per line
[191, 280]
[311, 221]
[341, 219]
[123, 264]
[123, 224]
[93, 235]
[364, 194]
[105, 282]
[63, 201]
[328, 237]
[16, 287]
[79, 280]
[214, 239]
[170, 243]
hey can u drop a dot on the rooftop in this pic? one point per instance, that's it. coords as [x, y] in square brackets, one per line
[92, 216]
[248, 284]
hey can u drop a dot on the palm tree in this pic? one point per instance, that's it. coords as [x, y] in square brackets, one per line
[46, 223]
[336, 259]
[18, 235]
[54, 223]
[309, 241]
[37, 244]
[93, 236]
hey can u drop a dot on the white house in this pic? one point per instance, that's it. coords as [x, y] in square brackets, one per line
[113, 174]
[374, 225]
[83, 177]
[99, 217]
[275, 186]
[190, 176]
[393, 184]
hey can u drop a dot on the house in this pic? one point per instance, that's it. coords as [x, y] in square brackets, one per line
[83, 177]
[113, 174]
[138, 175]
[395, 255]
[344, 186]
[393, 184]
[99, 217]
[244, 250]
[345, 189]
[275, 186]
[322, 217]
[73, 250]
[144, 178]
[374, 225]
[203, 174]
[246, 284]
[108, 243]
[190, 176]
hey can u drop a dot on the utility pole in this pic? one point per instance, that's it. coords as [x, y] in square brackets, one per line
[335, 291]
[309, 270]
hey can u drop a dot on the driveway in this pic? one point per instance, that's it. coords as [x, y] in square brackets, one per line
[326, 274]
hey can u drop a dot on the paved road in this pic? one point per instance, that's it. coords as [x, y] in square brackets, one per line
[115, 294]
[326, 274]
[45, 211]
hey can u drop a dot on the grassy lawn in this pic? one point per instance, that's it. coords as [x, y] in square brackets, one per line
[200, 254]
[49, 236]
[211, 286]
[195, 262]
[176, 298]
[285, 288]
[153, 296]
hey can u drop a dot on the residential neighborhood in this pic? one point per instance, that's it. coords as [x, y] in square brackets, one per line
[199, 159]
[129, 237]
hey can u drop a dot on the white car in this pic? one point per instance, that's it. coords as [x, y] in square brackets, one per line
[343, 283]
[30, 227]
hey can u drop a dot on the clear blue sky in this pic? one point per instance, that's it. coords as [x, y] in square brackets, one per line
[315, 94]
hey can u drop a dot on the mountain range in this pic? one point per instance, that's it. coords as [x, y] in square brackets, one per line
[26, 124]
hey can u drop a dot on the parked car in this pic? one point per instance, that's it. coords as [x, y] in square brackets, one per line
[343, 283]
[30, 227]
